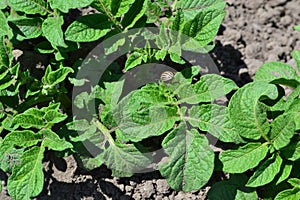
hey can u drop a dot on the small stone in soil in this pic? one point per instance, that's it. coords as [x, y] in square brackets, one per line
[274, 3]
[137, 196]
[162, 186]
[254, 4]
[148, 189]
[128, 189]
[159, 197]
[286, 20]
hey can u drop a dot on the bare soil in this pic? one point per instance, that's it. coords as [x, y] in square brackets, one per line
[253, 32]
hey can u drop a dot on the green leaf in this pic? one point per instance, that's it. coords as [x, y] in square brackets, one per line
[145, 113]
[27, 179]
[24, 138]
[66, 5]
[297, 28]
[92, 163]
[123, 7]
[11, 91]
[175, 53]
[176, 26]
[124, 159]
[282, 130]
[115, 4]
[293, 108]
[153, 12]
[135, 12]
[29, 6]
[78, 125]
[279, 73]
[88, 28]
[111, 93]
[285, 172]
[10, 159]
[266, 172]
[27, 28]
[102, 6]
[191, 8]
[246, 195]
[77, 82]
[133, 60]
[10, 74]
[3, 74]
[5, 83]
[296, 56]
[294, 182]
[204, 26]
[87, 100]
[53, 32]
[110, 48]
[52, 78]
[110, 96]
[292, 103]
[243, 158]
[297, 121]
[215, 120]
[54, 117]
[3, 5]
[27, 121]
[81, 100]
[289, 194]
[207, 89]
[191, 160]
[93, 140]
[160, 54]
[89, 133]
[232, 189]
[162, 40]
[178, 21]
[247, 113]
[51, 106]
[292, 151]
[61, 55]
[2, 111]
[192, 45]
[52, 141]
[5, 55]
[4, 28]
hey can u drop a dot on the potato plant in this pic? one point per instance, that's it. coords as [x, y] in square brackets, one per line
[35, 109]
[45, 112]
[266, 115]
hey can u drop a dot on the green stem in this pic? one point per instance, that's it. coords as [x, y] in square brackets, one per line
[49, 11]
[105, 131]
[55, 13]
[265, 137]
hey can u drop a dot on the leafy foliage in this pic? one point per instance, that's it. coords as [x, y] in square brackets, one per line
[34, 105]
[27, 176]
[265, 115]
[261, 122]
[153, 110]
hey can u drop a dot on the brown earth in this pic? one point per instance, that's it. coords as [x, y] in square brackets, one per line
[252, 33]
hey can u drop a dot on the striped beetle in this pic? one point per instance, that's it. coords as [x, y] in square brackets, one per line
[166, 76]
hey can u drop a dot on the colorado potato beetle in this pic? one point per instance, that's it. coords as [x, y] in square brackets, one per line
[166, 76]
